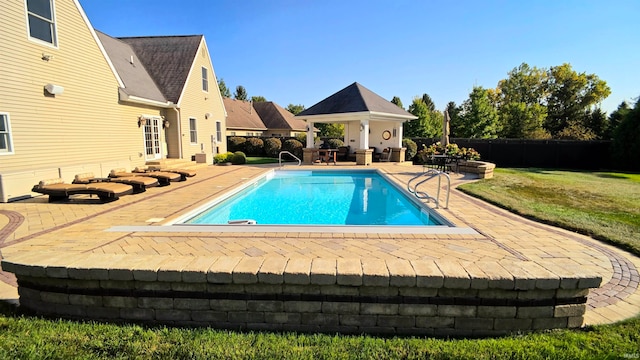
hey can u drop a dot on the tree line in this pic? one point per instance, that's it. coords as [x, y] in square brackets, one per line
[531, 103]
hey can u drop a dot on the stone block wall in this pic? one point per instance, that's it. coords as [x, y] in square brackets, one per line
[352, 299]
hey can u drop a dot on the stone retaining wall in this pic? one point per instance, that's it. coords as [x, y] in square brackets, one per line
[483, 169]
[406, 298]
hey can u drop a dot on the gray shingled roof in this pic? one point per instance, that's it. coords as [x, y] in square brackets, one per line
[242, 115]
[354, 98]
[275, 117]
[168, 59]
[136, 79]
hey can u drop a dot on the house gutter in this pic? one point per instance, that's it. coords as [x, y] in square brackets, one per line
[179, 128]
[138, 100]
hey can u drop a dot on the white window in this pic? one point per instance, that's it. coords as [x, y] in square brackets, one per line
[42, 25]
[205, 80]
[193, 131]
[218, 131]
[6, 146]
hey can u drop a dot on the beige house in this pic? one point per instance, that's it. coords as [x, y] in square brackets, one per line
[68, 107]
[279, 121]
[243, 119]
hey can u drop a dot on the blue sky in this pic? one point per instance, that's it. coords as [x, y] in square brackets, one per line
[301, 51]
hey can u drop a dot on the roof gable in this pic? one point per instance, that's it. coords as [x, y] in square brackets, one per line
[168, 59]
[136, 80]
[275, 117]
[242, 115]
[354, 98]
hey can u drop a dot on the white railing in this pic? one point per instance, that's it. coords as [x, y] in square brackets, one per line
[286, 152]
[428, 175]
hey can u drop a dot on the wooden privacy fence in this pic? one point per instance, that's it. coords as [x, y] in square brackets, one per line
[562, 154]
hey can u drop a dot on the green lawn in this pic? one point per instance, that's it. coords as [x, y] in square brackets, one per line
[605, 204]
[257, 160]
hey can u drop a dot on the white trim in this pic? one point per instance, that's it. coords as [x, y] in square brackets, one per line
[356, 116]
[158, 155]
[56, 43]
[99, 43]
[194, 130]
[11, 149]
[123, 96]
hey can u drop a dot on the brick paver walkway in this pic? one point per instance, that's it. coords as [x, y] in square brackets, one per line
[503, 238]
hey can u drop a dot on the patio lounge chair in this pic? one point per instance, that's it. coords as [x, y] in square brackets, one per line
[164, 178]
[58, 190]
[184, 173]
[139, 183]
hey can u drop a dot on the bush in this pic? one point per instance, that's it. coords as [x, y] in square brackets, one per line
[293, 146]
[254, 147]
[412, 149]
[222, 158]
[335, 143]
[238, 158]
[272, 147]
[236, 143]
[302, 137]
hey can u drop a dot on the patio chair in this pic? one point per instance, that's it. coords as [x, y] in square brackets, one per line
[139, 183]
[164, 178]
[386, 155]
[57, 190]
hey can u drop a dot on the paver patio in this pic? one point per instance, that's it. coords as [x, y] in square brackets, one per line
[61, 229]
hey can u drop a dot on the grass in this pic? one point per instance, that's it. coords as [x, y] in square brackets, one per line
[33, 338]
[603, 205]
[257, 160]
[555, 196]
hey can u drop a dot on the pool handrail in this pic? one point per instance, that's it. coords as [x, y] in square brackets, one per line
[430, 174]
[287, 152]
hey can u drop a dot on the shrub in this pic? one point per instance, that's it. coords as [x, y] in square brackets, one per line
[222, 158]
[412, 149]
[238, 158]
[293, 146]
[254, 147]
[335, 143]
[236, 143]
[272, 147]
[302, 137]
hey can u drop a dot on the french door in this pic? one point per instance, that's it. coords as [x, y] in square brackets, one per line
[152, 139]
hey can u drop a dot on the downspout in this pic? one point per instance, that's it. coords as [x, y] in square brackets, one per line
[179, 129]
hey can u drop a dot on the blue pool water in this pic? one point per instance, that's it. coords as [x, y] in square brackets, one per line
[319, 198]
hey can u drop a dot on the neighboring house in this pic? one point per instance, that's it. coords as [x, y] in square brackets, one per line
[67, 106]
[243, 119]
[279, 121]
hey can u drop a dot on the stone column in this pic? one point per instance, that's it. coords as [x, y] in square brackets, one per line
[364, 156]
[397, 154]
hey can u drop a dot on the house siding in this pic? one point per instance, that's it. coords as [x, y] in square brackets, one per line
[195, 103]
[85, 127]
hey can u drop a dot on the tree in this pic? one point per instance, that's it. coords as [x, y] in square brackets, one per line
[596, 120]
[241, 93]
[626, 139]
[520, 102]
[295, 109]
[224, 91]
[571, 95]
[396, 100]
[616, 117]
[426, 99]
[330, 130]
[456, 127]
[479, 116]
[258, 99]
[428, 123]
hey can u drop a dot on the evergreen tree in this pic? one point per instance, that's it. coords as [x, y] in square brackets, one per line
[224, 91]
[241, 93]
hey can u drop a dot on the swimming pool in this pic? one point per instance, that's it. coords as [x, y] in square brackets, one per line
[336, 197]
